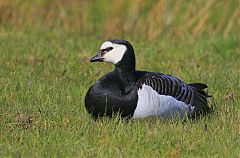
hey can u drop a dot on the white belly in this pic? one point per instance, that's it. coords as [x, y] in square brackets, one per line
[150, 103]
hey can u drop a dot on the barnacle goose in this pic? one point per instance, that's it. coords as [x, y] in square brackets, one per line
[141, 94]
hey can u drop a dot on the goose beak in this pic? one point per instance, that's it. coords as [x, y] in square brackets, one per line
[97, 58]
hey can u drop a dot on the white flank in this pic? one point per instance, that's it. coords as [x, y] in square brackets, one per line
[150, 103]
[116, 54]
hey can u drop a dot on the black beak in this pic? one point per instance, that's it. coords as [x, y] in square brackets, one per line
[96, 58]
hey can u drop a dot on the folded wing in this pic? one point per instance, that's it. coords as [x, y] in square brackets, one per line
[191, 94]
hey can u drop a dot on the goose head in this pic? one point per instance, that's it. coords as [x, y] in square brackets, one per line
[118, 52]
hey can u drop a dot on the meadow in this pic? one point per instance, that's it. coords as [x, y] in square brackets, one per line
[45, 47]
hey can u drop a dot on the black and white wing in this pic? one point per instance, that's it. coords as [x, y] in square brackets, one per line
[191, 94]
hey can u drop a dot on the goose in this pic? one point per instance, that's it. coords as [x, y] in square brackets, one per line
[140, 94]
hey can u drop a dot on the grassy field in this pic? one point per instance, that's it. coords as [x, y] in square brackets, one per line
[45, 73]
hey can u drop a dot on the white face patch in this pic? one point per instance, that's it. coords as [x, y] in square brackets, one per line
[116, 54]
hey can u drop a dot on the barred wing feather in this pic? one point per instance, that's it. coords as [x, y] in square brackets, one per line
[191, 94]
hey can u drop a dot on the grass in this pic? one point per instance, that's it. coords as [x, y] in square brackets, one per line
[45, 72]
[146, 19]
[44, 78]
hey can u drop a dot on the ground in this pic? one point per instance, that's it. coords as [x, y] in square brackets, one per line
[45, 47]
[44, 78]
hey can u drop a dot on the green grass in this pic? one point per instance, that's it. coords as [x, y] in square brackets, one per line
[45, 72]
[45, 75]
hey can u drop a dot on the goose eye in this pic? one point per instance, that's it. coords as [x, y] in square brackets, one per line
[103, 51]
[109, 48]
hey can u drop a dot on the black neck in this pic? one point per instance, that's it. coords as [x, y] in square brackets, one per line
[126, 76]
[125, 70]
